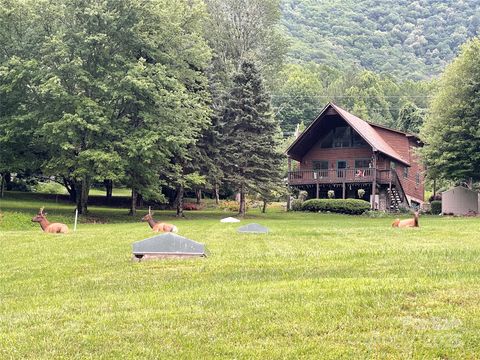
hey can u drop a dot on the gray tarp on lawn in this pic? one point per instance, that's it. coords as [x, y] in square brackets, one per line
[253, 229]
[168, 244]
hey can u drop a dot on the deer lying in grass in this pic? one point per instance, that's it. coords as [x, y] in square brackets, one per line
[54, 228]
[407, 223]
[158, 226]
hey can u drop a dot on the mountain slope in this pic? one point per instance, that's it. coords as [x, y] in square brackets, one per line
[408, 39]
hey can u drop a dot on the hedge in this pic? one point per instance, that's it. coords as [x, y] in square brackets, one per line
[436, 207]
[343, 206]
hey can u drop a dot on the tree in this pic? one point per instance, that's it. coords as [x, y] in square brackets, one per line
[250, 136]
[297, 97]
[451, 130]
[113, 86]
[410, 118]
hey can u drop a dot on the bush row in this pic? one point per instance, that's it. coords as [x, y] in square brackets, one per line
[343, 206]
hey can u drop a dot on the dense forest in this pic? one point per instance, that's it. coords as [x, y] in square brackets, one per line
[404, 38]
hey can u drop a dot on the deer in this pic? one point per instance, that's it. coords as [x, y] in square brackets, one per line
[407, 222]
[52, 228]
[158, 226]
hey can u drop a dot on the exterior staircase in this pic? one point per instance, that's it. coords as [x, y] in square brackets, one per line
[395, 199]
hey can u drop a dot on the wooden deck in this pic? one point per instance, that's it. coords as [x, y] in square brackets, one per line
[339, 176]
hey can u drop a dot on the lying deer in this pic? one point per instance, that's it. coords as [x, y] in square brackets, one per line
[158, 226]
[54, 228]
[407, 223]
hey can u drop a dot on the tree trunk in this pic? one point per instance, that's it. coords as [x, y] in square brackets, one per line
[8, 179]
[133, 204]
[72, 191]
[109, 190]
[179, 201]
[216, 194]
[198, 194]
[289, 200]
[264, 208]
[242, 210]
[82, 188]
[2, 185]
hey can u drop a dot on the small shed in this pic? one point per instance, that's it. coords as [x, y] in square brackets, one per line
[167, 245]
[460, 201]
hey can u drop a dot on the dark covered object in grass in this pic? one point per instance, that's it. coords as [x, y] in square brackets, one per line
[167, 246]
[253, 228]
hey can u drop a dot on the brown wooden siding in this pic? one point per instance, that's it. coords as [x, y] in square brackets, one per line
[332, 155]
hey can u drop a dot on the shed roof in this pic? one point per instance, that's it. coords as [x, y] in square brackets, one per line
[363, 128]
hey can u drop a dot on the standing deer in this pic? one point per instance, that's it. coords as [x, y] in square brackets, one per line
[54, 228]
[407, 223]
[158, 226]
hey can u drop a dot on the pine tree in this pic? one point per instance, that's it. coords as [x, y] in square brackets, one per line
[251, 136]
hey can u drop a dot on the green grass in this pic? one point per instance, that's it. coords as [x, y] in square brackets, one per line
[317, 286]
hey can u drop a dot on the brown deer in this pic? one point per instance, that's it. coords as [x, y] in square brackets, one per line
[54, 228]
[407, 223]
[158, 226]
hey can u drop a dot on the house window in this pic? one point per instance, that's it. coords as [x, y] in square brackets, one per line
[393, 165]
[405, 172]
[362, 163]
[341, 137]
[320, 165]
[417, 179]
[357, 140]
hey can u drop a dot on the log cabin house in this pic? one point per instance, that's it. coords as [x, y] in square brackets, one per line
[344, 153]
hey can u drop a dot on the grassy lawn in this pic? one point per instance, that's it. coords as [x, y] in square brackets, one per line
[317, 286]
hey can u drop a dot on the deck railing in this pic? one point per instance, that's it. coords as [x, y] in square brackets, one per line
[360, 175]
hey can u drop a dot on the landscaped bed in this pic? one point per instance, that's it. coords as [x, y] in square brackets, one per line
[317, 286]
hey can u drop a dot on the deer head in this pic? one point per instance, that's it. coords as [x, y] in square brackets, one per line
[149, 216]
[40, 216]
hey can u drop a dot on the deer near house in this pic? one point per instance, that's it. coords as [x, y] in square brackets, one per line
[158, 226]
[53, 228]
[407, 223]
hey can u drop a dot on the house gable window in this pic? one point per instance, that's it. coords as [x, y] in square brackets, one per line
[405, 172]
[342, 137]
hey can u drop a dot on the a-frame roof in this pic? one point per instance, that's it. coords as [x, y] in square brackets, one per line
[363, 128]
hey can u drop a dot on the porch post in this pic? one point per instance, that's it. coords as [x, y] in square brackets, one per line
[374, 182]
[343, 190]
[318, 186]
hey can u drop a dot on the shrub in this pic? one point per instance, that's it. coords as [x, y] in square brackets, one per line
[297, 205]
[343, 206]
[361, 193]
[436, 207]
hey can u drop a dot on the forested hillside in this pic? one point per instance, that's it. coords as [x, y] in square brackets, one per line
[404, 38]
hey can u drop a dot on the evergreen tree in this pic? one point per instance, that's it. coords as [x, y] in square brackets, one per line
[251, 136]
[451, 131]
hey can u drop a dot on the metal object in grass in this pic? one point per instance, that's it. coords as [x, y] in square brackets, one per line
[167, 246]
[230, 220]
[253, 229]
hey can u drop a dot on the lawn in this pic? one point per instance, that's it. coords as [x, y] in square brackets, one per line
[317, 286]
